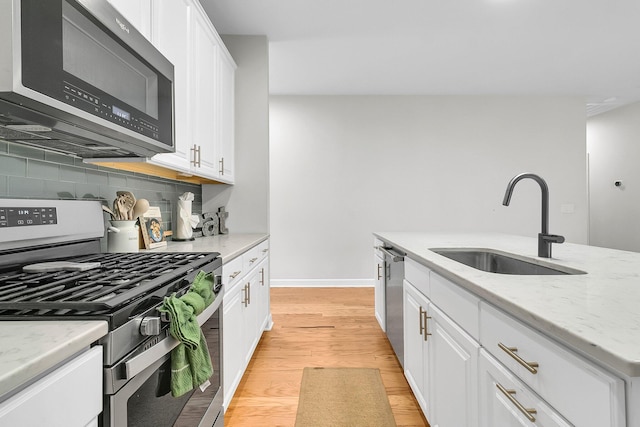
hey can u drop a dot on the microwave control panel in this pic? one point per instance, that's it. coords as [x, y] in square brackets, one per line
[93, 104]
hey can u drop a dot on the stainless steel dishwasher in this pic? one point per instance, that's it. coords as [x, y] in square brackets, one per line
[394, 275]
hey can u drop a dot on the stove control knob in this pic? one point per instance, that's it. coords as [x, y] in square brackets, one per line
[150, 326]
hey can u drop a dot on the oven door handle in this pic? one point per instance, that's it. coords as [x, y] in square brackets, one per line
[139, 363]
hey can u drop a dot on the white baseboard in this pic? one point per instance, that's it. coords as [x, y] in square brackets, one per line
[321, 283]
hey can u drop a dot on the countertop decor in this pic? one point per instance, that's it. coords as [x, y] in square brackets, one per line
[597, 313]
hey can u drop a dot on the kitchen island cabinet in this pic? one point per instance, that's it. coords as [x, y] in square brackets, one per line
[544, 344]
[380, 272]
[441, 359]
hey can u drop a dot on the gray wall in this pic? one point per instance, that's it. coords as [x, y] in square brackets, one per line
[343, 167]
[247, 201]
[614, 154]
[31, 173]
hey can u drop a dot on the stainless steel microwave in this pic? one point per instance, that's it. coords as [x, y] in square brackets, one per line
[77, 78]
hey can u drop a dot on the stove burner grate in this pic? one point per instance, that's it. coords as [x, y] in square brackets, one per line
[119, 279]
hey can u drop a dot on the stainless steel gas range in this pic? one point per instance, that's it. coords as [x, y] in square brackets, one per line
[51, 268]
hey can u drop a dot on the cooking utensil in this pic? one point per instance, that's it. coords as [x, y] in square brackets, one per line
[106, 209]
[140, 207]
[116, 210]
[126, 200]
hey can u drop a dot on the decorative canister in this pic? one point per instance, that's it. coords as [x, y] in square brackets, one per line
[122, 236]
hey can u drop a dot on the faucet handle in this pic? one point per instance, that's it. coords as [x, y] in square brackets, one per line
[552, 238]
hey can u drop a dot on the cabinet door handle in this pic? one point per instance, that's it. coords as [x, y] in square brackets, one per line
[511, 351]
[234, 274]
[426, 329]
[262, 277]
[196, 156]
[222, 166]
[244, 298]
[527, 412]
[248, 293]
[423, 323]
[379, 269]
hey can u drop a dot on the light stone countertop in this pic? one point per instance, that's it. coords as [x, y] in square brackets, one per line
[597, 313]
[228, 245]
[30, 349]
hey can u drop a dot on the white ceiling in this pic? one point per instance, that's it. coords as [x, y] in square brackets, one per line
[587, 48]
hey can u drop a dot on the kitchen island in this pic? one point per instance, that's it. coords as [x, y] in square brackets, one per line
[594, 316]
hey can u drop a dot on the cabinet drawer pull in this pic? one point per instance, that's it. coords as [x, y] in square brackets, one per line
[511, 351]
[234, 274]
[527, 412]
[264, 251]
[252, 260]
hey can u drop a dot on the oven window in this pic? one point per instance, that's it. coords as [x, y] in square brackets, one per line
[152, 404]
[94, 58]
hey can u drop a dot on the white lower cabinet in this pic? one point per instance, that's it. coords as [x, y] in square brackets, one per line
[506, 402]
[245, 314]
[441, 363]
[562, 378]
[471, 364]
[378, 262]
[70, 396]
[416, 355]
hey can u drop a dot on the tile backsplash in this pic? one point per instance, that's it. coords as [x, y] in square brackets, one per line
[31, 173]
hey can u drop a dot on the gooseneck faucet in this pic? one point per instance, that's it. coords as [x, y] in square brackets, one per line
[544, 238]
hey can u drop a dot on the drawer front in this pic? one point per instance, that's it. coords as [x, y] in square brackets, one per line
[253, 256]
[418, 275]
[506, 401]
[69, 396]
[262, 250]
[459, 304]
[232, 272]
[584, 393]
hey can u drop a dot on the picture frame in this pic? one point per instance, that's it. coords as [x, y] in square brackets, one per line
[152, 229]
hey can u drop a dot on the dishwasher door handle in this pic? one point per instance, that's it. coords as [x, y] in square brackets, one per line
[395, 257]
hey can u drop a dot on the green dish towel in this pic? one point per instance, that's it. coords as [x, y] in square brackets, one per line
[190, 360]
[203, 286]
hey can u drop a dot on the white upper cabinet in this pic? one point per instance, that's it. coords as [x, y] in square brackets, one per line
[204, 85]
[137, 12]
[205, 56]
[173, 44]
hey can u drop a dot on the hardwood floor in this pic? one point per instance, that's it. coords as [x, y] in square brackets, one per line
[330, 327]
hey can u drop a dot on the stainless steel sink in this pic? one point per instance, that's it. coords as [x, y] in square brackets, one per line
[498, 262]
